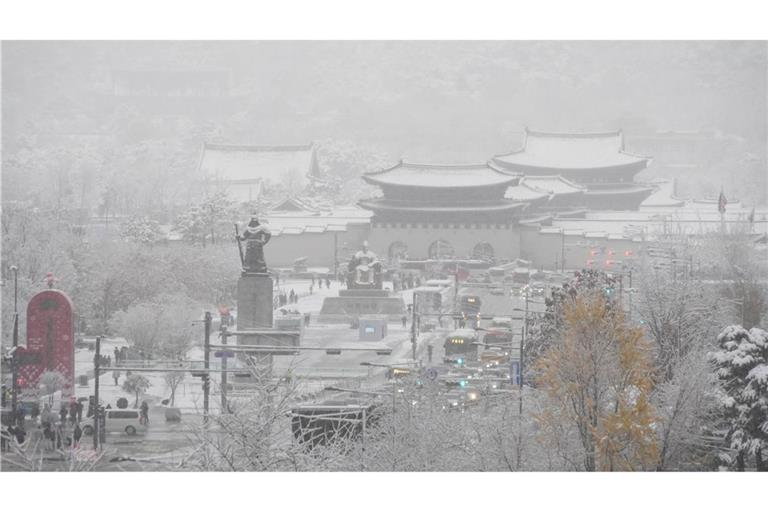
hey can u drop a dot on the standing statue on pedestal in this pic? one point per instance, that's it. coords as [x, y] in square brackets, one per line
[364, 270]
[256, 236]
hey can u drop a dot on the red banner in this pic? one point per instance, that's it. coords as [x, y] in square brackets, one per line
[50, 340]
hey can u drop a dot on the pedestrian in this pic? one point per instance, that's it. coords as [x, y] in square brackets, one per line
[144, 413]
[117, 356]
[20, 413]
[72, 411]
[77, 433]
[429, 352]
[79, 411]
[116, 376]
[311, 287]
[35, 411]
[21, 434]
[313, 280]
[405, 320]
[63, 414]
[46, 417]
[319, 284]
[328, 282]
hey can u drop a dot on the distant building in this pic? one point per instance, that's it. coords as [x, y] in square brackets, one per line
[597, 161]
[548, 193]
[243, 170]
[190, 83]
[443, 211]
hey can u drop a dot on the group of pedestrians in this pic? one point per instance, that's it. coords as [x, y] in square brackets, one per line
[287, 298]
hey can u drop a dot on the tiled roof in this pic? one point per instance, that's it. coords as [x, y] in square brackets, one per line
[248, 163]
[298, 222]
[441, 175]
[381, 204]
[571, 151]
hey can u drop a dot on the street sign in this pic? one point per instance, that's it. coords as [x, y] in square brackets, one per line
[431, 373]
[224, 353]
[514, 372]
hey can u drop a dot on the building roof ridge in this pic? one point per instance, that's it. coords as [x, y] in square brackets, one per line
[574, 135]
[258, 147]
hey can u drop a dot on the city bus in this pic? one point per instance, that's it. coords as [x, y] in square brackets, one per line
[461, 344]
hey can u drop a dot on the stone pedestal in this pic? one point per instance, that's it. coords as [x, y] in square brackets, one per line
[254, 302]
[353, 303]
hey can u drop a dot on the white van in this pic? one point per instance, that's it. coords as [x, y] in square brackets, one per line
[124, 420]
[120, 420]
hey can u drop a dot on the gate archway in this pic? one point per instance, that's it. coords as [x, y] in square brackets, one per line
[397, 251]
[483, 251]
[440, 249]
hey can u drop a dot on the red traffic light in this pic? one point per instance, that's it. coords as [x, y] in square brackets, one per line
[627, 253]
[608, 263]
[590, 262]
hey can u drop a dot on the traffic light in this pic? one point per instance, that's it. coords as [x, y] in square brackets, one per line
[590, 263]
[460, 361]
[627, 253]
[462, 383]
[608, 291]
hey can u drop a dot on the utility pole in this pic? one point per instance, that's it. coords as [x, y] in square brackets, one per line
[96, 371]
[224, 371]
[14, 366]
[562, 249]
[413, 327]
[631, 291]
[206, 365]
[335, 254]
[522, 345]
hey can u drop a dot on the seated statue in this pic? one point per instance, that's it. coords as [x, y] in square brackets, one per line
[364, 270]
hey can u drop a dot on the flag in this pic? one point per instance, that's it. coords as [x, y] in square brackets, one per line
[751, 217]
[721, 202]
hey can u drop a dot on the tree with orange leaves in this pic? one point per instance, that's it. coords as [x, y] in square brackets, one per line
[598, 381]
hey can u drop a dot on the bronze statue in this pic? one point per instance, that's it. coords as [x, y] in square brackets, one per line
[364, 270]
[256, 236]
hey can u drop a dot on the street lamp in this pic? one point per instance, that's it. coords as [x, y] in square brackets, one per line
[14, 366]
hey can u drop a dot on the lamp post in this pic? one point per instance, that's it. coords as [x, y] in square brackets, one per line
[14, 366]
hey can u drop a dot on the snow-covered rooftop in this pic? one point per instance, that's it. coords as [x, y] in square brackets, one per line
[297, 222]
[441, 175]
[571, 151]
[249, 163]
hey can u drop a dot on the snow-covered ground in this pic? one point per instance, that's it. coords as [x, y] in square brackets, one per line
[314, 369]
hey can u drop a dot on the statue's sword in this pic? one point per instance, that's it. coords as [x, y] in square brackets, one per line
[239, 245]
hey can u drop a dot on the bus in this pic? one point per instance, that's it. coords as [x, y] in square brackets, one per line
[469, 309]
[460, 344]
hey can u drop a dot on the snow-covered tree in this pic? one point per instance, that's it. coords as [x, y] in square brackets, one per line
[741, 365]
[161, 327]
[50, 382]
[172, 381]
[547, 328]
[598, 381]
[142, 230]
[136, 384]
